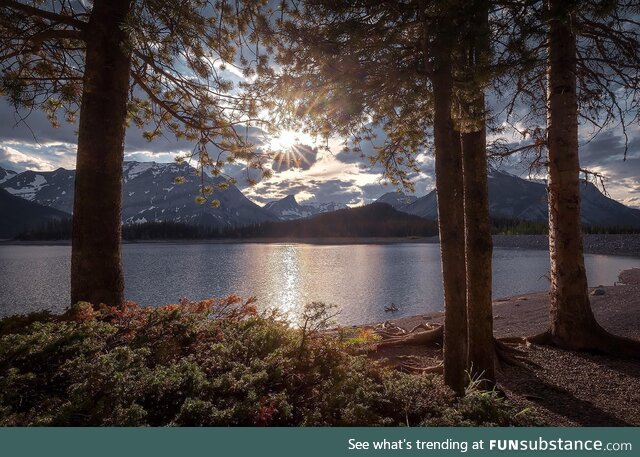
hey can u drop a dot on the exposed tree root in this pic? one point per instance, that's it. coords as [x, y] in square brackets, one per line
[413, 366]
[543, 339]
[508, 352]
[619, 346]
[422, 334]
[596, 340]
[517, 340]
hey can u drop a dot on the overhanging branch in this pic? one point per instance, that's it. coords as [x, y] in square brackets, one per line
[56, 18]
[54, 34]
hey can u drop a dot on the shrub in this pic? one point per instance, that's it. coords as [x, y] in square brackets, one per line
[215, 362]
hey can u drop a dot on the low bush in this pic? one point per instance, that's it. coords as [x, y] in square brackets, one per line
[215, 362]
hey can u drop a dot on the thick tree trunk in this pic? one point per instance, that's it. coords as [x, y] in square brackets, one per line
[573, 325]
[96, 270]
[478, 242]
[572, 321]
[450, 220]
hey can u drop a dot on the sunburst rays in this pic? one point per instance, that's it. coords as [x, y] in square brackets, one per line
[292, 149]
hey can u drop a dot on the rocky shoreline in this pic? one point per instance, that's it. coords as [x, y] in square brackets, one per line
[627, 244]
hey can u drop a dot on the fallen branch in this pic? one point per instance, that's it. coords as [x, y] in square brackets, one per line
[422, 334]
[510, 351]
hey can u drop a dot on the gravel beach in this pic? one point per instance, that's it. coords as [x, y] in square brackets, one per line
[569, 388]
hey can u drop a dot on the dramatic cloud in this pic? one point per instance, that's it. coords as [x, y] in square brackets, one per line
[310, 173]
[17, 161]
[345, 191]
[608, 148]
[21, 156]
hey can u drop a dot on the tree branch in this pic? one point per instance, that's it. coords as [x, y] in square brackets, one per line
[49, 15]
[54, 34]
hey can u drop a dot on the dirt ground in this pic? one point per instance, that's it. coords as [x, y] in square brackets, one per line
[569, 388]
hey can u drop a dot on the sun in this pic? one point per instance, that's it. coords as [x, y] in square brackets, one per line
[285, 140]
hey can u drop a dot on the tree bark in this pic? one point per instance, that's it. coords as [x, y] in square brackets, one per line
[478, 242]
[479, 249]
[448, 167]
[572, 321]
[96, 268]
[573, 325]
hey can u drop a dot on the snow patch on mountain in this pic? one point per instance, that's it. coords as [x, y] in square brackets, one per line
[149, 194]
[288, 208]
[326, 207]
[6, 174]
[28, 188]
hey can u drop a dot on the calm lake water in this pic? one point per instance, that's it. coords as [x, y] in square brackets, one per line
[360, 279]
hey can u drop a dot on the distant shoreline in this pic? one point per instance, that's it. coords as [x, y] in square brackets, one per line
[318, 241]
[613, 244]
[620, 245]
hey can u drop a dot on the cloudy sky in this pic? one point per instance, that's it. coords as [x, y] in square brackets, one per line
[321, 176]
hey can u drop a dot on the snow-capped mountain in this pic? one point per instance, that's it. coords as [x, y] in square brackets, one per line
[150, 194]
[47, 188]
[397, 199]
[513, 197]
[6, 174]
[287, 208]
[426, 206]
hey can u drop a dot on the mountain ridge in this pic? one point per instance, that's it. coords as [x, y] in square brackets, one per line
[20, 214]
[6, 174]
[288, 208]
[512, 197]
[397, 199]
[150, 193]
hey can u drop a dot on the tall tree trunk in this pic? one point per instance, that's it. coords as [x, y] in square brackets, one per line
[96, 267]
[448, 165]
[479, 248]
[478, 242]
[573, 325]
[572, 320]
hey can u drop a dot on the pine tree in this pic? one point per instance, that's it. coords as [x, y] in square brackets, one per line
[473, 75]
[117, 62]
[591, 53]
[449, 185]
[573, 324]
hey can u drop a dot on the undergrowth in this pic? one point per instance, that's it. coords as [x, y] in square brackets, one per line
[214, 362]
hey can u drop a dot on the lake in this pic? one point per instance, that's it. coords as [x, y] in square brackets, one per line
[361, 279]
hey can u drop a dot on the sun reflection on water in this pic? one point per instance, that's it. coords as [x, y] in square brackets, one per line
[360, 279]
[286, 270]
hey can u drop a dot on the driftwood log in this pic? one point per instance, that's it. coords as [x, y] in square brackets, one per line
[510, 351]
